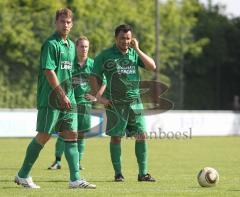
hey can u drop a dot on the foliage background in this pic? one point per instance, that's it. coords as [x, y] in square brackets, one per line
[199, 47]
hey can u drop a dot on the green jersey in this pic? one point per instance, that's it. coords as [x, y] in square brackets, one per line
[60, 56]
[121, 72]
[81, 83]
[81, 80]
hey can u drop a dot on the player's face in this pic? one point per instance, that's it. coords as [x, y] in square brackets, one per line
[82, 48]
[123, 40]
[64, 25]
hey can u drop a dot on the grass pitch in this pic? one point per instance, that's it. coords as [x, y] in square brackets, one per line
[174, 163]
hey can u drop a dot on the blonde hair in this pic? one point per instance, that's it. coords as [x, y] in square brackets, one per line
[64, 12]
[81, 38]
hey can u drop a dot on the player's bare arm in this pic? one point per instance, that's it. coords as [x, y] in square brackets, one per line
[148, 61]
[98, 95]
[54, 83]
[94, 85]
[98, 91]
[101, 90]
[100, 98]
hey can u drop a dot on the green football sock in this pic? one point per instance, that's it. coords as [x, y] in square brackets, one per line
[141, 154]
[81, 148]
[31, 156]
[115, 151]
[72, 157]
[59, 148]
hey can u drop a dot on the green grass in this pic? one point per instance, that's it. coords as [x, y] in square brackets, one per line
[174, 163]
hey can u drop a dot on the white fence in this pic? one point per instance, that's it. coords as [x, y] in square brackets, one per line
[194, 123]
[177, 124]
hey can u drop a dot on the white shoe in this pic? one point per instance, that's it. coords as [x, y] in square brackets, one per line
[55, 166]
[26, 182]
[81, 184]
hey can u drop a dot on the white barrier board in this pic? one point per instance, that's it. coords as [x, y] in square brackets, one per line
[199, 123]
[22, 123]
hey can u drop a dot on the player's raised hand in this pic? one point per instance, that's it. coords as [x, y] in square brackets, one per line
[134, 43]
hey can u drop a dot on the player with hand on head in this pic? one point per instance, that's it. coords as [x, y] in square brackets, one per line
[55, 103]
[83, 98]
[120, 65]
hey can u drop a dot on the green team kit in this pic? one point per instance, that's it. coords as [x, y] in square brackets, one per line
[81, 88]
[59, 56]
[122, 76]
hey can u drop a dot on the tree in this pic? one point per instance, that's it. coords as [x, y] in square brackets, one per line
[212, 78]
[177, 40]
[23, 28]
[21, 37]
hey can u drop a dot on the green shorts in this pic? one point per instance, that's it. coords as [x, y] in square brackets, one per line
[50, 120]
[84, 117]
[125, 118]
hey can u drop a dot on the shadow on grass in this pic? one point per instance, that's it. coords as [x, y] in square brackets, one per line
[66, 181]
[57, 181]
[7, 168]
[107, 181]
[16, 187]
[50, 181]
[234, 190]
[35, 180]
[195, 187]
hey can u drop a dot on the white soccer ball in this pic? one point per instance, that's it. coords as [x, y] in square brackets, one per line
[208, 177]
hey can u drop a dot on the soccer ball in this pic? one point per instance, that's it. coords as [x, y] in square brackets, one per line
[208, 177]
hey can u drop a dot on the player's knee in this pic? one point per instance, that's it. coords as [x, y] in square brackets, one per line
[141, 136]
[69, 135]
[42, 138]
[115, 140]
[80, 135]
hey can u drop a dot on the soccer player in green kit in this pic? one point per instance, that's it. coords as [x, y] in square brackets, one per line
[55, 103]
[124, 110]
[83, 99]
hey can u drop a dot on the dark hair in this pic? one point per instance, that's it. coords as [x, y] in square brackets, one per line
[124, 28]
[64, 12]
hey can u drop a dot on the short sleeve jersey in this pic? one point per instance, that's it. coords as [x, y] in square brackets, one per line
[60, 57]
[81, 80]
[121, 72]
